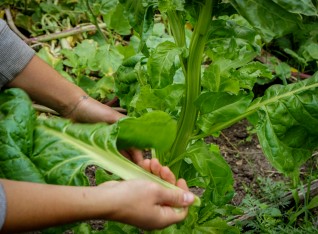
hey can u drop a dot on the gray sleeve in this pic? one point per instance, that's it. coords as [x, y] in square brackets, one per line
[3, 206]
[14, 54]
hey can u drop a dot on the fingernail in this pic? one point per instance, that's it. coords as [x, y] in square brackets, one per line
[188, 197]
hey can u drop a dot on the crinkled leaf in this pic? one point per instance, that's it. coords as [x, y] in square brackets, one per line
[161, 64]
[214, 170]
[171, 5]
[219, 107]
[248, 74]
[117, 20]
[288, 116]
[62, 150]
[140, 15]
[216, 80]
[155, 129]
[17, 120]
[165, 99]
[275, 23]
[304, 7]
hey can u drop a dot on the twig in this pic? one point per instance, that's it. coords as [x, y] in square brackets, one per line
[230, 143]
[12, 25]
[69, 32]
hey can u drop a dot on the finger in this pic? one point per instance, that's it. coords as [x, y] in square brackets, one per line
[167, 175]
[170, 215]
[126, 154]
[181, 183]
[146, 164]
[176, 198]
[155, 166]
[136, 156]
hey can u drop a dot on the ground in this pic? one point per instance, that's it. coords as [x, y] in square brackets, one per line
[240, 147]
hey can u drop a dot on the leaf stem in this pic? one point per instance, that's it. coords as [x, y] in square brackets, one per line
[189, 112]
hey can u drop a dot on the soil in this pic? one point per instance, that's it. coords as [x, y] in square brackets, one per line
[242, 151]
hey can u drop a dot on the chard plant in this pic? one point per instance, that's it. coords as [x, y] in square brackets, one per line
[202, 72]
[193, 60]
[206, 75]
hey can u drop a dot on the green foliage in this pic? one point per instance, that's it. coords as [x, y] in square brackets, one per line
[59, 151]
[196, 61]
[271, 210]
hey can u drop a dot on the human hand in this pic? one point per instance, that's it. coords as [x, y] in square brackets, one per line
[146, 204]
[151, 165]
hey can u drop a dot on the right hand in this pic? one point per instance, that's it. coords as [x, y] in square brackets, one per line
[146, 204]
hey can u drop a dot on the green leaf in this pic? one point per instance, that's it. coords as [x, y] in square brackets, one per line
[215, 226]
[287, 116]
[140, 14]
[108, 59]
[17, 119]
[214, 170]
[304, 7]
[248, 74]
[118, 21]
[275, 23]
[62, 150]
[219, 107]
[165, 99]
[139, 132]
[313, 203]
[161, 64]
[171, 5]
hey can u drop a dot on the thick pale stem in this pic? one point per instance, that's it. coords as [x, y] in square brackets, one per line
[189, 112]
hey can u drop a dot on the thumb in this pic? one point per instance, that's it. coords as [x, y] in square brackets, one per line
[176, 198]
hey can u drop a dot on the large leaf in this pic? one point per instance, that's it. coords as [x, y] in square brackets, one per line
[140, 14]
[305, 7]
[165, 99]
[17, 119]
[161, 64]
[216, 173]
[275, 23]
[219, 107]
[62, 149]
[288, 120]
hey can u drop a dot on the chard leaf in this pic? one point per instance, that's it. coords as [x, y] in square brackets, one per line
[215, 226]
[117, 20]
[219, 107]
[288, 116]
[152, 130]
[248, 74]
[165, 99]
[215, 171]
[62, 150]
[168, 5]
[140, 15]
[304, 7]
[17, 119]
[275, 23]
[161, 64]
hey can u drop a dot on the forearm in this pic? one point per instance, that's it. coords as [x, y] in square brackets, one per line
[33, 206]
[46, 86]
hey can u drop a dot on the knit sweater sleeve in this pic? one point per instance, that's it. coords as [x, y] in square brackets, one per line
[14, 54]
[3, 206]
